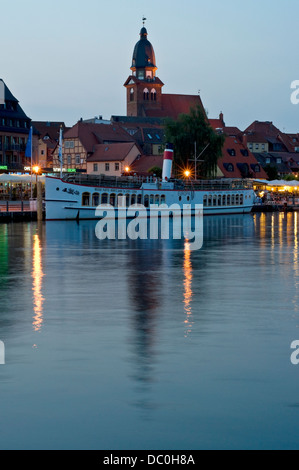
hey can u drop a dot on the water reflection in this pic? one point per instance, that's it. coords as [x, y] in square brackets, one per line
[37, 285]
[188, 293]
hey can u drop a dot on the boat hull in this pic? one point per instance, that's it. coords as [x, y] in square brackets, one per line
[70, 201]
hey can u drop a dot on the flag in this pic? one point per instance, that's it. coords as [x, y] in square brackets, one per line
[60, 157]
[28, 151]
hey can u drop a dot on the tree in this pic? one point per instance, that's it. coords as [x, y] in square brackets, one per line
[192, 131]
[156, 170]
[271, 171]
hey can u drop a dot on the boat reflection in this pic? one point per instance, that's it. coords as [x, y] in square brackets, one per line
[37, 284]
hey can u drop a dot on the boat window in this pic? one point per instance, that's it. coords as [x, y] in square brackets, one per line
[112, 199]
[210, 201]
[241, 199]
[95, 199]
[146, 200]
[86, 199]
[163, 199]
[219, 200]
[224, 200]
[237, 199]
[205, 200]
[120, 200]
[233, 199]
[104, 198]
[157, 200]
[128, 197]
[133, 199]
[139, 199]
[152, 199]
[228, 200]
[214, 201]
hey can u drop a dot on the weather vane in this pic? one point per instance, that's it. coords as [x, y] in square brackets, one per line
[144, 20]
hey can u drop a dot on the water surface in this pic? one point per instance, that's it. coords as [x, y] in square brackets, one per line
[146, 344]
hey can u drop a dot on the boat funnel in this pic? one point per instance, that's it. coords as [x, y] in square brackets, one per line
[167, 162]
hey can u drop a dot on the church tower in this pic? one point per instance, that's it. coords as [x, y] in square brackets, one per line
[144, 88]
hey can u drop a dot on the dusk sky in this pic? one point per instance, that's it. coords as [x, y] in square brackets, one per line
[69, 59]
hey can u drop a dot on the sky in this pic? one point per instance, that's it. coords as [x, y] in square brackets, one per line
[68, 59]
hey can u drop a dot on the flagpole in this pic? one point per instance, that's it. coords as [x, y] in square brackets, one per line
[60, 152]
[31, 131]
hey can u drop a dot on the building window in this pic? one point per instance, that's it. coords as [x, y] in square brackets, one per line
[153, 95]
[69, 159]
[69, 144]
[107, 167]
[145, 94]
[95, 167]
[77, 159]
[116, 166]
[132, 94]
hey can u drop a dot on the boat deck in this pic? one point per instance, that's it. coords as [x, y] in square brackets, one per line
[136, 182]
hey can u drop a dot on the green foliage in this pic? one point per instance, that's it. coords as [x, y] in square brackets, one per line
[156, 170]
[191, 128]
[272, 172]
[289, 177]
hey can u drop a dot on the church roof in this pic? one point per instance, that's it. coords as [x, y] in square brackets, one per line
[143, 55]
[174, 105]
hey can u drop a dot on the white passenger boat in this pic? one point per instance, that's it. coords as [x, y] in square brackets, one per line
[77, 196]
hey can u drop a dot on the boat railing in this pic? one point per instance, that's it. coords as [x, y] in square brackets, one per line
[135, 182]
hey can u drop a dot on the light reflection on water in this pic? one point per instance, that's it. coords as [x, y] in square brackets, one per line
[148, 344]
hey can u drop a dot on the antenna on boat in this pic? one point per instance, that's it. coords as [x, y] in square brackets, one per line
[196, 158]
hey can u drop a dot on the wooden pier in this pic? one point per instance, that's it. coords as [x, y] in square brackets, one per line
[16, 211]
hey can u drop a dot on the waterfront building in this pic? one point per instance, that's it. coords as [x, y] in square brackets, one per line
[14, 131]
[237, 161]
[48, 138]
[80, 143]
[273, 148]
[113, 159]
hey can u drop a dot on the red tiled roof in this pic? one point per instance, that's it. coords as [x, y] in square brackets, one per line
[264, 128]
[237, 160]
[146, 162]
[111, 152]
[91, 135]
[174, 105]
